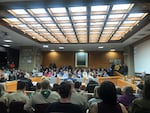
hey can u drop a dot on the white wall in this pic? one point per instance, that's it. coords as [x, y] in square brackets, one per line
[142, 57]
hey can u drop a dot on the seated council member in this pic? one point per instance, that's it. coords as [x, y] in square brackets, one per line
[42, 97]
[64, 106]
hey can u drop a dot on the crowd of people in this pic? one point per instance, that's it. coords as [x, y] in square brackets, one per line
[11, 73]
[71, 97]
[64, 71]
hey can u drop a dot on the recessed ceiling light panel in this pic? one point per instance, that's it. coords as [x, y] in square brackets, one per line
[7, 40]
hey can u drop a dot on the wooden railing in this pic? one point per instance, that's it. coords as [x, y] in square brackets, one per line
[110, 78]
[120, 81]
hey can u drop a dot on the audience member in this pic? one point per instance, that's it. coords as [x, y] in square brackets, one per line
[119, 91]
[70, 77]
[117, 67]
[139, 90]
[91, 85]
[127, 97]
[37, 88]
[78, 98]
[77, 85]
[125, 70]
[95, 99]
[55, 87]
[2, 77]
[12, 65]
[107, 92]
[26, 79]
[19, 94]
[3, 95]
[65, 105]
[44, 96]
[142, 105]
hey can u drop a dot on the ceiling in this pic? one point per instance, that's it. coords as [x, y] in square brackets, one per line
[74, 24]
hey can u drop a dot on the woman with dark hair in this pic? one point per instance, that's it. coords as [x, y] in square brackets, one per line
[107, 92]
[142, 105]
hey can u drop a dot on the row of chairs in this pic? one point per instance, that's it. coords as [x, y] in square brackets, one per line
[18, 107]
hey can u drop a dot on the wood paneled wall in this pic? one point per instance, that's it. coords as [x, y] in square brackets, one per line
[95, 59]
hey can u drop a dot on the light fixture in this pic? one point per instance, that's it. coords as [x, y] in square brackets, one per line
[61, 47]
[45, 46]
[19, 11]
[78, 9]
[121, 7]
[112, 49]
[38, 11]
[58, 10]
[100, 47]
[99, 8]
[6, 45]
[53, 24]
[52, 50]
[7, 40]
[81, 50]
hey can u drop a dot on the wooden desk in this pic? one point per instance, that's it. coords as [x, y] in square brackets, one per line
[35, 79]
[11, 86]
[110, 78]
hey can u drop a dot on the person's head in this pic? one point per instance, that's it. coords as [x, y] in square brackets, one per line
[55, 87]
[21, 85]
[107, 92]
[69, 75]
[45, 84]
[77, 84]
[71, 82]
[65, 89]
[27, 75]
[147, 87]
[38, 86]
[140, 88]
[128, 90]
[119, 91]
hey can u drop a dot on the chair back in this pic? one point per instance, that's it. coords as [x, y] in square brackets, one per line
[16, 107]
[41, 108]
[3, 107]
